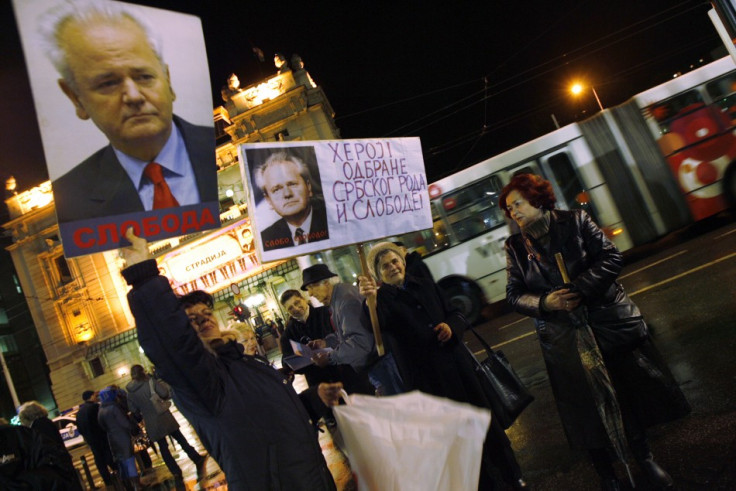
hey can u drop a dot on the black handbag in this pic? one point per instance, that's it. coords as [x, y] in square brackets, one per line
[502, 387]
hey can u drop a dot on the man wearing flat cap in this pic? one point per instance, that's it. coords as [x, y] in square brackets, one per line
[352, 342]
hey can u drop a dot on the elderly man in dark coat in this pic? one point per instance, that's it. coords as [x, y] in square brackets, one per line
[246, 413]
[32, 461]
[160, 425]
[94, 435]
[34, 416]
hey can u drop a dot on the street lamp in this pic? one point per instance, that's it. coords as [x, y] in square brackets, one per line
[576, 89]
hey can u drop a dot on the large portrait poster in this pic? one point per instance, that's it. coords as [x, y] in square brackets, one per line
[316, 195]
[124, 106]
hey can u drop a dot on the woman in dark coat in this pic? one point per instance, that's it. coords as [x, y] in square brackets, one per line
[424, 334]
[33, 415]
[644, 388]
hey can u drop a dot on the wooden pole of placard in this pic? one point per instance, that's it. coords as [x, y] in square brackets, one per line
[561, 266]
[371, 302]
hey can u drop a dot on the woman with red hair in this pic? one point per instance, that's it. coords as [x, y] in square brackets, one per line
[595, 344]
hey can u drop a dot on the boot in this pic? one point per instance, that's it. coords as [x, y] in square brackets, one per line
[202, 468]
[656, 475]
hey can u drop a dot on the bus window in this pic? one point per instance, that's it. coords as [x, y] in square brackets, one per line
[723, 92]
[474, 209]
[574, 194]
[428, 241]
[666, 112]
[527, 169]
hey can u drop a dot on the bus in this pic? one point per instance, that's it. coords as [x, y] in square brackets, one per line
[656, 163]
[642, 169]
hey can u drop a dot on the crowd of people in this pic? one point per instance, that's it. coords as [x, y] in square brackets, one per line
[118, 425]
[562, 271]
[229, 394]
[609, 382]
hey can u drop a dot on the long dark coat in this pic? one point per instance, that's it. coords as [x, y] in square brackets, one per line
[88, 425]
[117, 426]
[246, 414]
[643, 383]
[31, 461]
[408, 317]
[47, 428]
[139, 401]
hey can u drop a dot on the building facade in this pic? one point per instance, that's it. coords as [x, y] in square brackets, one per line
[23, 361]
[79, 305]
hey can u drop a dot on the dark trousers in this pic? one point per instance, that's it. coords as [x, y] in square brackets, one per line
[163, 447]
[498, 454]
[385, 377]
[103, 459]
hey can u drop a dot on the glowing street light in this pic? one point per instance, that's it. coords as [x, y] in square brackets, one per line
[576, 89]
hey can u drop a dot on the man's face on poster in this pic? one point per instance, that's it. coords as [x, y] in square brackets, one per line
[287, 191]
[119, 83]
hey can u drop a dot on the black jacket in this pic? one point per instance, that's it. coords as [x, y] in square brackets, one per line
[407, 317]
[318, 326]
[88, 425]
[30, 461]
[246, 414]
[593, 264]
[47, 428]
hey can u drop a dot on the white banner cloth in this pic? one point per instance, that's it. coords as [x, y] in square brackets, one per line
[413, 441]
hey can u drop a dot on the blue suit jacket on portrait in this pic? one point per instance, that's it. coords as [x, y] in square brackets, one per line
[100, 187]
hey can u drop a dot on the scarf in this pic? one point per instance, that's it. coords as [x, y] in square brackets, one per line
[539, 228]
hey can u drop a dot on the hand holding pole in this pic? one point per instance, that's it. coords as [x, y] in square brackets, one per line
[371, 302]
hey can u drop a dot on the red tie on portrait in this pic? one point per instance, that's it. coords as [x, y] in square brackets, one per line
[162, 197]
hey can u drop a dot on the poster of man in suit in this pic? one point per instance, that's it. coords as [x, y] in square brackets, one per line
[306, 197]
[287, 180]
[119, 151]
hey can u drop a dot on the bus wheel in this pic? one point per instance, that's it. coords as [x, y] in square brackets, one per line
[729, 185]
[465, 296]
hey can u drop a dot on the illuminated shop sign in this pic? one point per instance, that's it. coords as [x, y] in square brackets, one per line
[213, 262]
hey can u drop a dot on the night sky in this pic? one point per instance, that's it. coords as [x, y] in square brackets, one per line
[472, 79]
